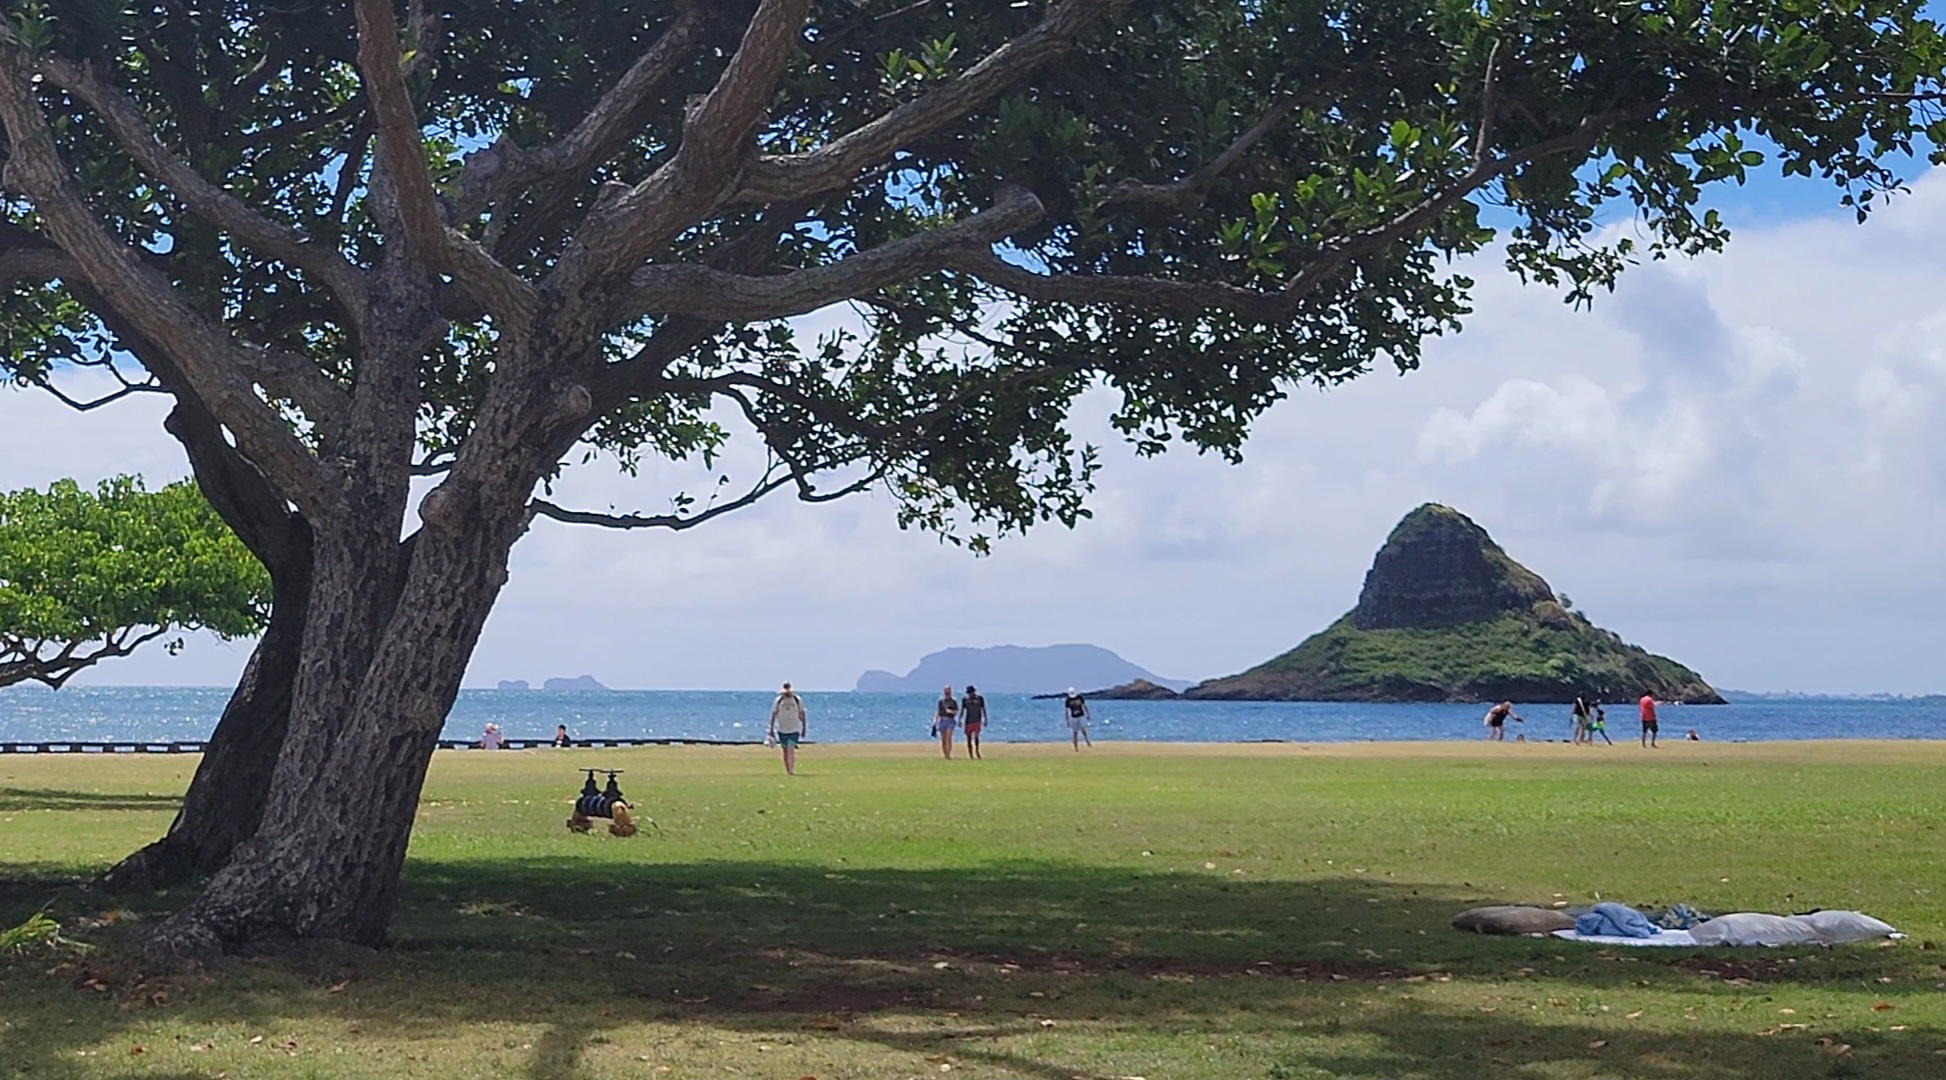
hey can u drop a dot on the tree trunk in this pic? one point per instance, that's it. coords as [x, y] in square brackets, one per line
[380, 668]
[226, 797]
[225, 800]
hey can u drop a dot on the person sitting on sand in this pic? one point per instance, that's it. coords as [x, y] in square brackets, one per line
[1078, 715]
[789, 720]
[1496, 721]
[491, 739]
[973, 717]
[945, 717]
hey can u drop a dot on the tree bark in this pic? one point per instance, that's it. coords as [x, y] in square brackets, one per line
[226, 797]
[379, 670]
[225, 800]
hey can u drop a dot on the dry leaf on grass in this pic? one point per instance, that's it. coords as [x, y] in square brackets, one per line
[1598, 1044]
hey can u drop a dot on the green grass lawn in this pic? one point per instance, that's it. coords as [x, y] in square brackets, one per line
[1161, 912]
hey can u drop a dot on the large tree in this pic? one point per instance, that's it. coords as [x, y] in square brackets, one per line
[88, 576]
[361, 241]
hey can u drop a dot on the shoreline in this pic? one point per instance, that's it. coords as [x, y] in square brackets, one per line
[140, 748]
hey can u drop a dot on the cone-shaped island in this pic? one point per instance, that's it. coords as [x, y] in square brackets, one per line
[1446, 615]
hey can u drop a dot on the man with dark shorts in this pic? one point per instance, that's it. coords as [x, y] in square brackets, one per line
[1647, 705]
[973, 718]
[789, 720]
[1497, 721]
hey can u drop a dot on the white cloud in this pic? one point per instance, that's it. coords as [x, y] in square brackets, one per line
[1739, 460]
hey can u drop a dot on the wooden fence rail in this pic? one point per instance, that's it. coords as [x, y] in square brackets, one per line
[193, 746]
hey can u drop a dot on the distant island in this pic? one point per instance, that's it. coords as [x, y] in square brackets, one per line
[1446, 615]
[1013, 669]
[1135, 690]
[579, 682]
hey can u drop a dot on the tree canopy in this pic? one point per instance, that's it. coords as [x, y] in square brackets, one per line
[1195, 202]
[86, 576]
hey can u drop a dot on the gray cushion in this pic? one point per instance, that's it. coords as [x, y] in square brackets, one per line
[1512, 919]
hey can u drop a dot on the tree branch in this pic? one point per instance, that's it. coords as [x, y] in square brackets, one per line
[542, 171]
[497, 289]
[689, 289]
[401, 152]
[128, 389]
[206, 200]
[678, 522]
[702, 174]
[1264, 305]
[221, 368]
[836, 164]
[20, 660]
[1483, 139]
[1176, 193]
[34, 264]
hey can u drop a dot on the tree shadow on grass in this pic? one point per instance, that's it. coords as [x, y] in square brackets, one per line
[1033, 970]
[18, 799]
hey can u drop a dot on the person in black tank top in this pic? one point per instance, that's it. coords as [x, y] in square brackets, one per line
[1076, 707]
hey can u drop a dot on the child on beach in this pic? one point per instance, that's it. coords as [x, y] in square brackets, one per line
[1599, 726]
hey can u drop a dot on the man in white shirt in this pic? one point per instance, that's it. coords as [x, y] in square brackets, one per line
[788, 723]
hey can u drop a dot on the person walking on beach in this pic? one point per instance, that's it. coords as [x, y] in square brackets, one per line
[1579, 713]
[1599, 726]
[973, 717]
[1496, 721]
[1076, 708]
[788, 723]
[945, 717]
[1649, 729]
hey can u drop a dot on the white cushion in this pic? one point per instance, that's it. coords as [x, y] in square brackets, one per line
[1838, 927]
[1755, 928]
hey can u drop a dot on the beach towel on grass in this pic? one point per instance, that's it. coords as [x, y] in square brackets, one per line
[1609, 919]
[1675, 938]
[1757, 928]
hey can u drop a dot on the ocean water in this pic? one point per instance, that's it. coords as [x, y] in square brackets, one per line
[105, 714]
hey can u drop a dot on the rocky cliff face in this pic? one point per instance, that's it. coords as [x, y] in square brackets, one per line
[1446, 615]
[1440, 569]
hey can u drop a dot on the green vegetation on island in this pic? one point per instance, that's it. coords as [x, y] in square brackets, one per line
[1447, 615]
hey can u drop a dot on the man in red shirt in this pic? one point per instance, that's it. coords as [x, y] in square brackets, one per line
[1648, 720]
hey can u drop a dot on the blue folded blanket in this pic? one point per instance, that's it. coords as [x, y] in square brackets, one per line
[1608, 919]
